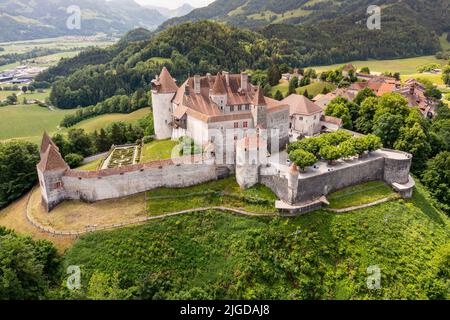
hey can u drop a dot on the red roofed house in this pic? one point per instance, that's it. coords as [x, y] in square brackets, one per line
[204, 107]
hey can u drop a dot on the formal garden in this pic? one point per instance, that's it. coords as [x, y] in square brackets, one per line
[122, 156]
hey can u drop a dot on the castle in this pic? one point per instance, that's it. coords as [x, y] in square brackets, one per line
[204, 108]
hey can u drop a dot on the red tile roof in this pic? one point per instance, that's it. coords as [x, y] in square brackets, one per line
[219, 86]
[46, 141]
[258, 99]
[52, 160]
[165, 83]
[299, 104]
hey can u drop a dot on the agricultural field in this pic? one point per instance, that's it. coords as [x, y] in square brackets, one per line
[225, 192]
[444, 43]
[404, 66]
[320, 255]
[92, 124]
[29, 122]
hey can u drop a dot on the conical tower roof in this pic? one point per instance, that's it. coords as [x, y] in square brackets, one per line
[219, 86]
[258, 99]
[165, 82]
[52, 160]
[46, 141]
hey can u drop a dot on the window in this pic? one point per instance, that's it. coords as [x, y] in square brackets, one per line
[236, 125]
[247, 107]
[239, 108]
[231, 108]
[245, 124]
[315, 117]
[300, 118]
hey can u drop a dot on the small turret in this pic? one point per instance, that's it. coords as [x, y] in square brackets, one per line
[259, 109]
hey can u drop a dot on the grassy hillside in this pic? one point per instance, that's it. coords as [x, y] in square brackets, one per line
[318, 255]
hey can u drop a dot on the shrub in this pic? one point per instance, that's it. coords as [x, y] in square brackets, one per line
[74, 160]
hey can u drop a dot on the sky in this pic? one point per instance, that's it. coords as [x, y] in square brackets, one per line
[172, 4]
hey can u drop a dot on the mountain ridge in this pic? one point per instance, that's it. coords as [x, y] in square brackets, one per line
[27, 20]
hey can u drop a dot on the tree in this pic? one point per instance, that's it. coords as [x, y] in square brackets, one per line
[373, 142]
[31, 88]
[414, 140]
[365, 70]
[18, 160]
[310, 73]
[360, 145]
[330, 153]
[74, 160]
[339, 110]
[347, 149]
[292, 85]
[305, 93]
[363, 95]
[437, 177]
[392, 103]
[80, 142]
[302, 158]
[28, 267]
[278, 95]
[273, 75]
[102, 143]
[267, 89]
[367, 110]
[12, 99]
[387, 127]
[446, 74]
[24, 89]
[62, 144]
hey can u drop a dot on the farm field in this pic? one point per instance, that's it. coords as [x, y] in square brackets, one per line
[90, 125]
[406, 66]
[29, 122]
[320, 255]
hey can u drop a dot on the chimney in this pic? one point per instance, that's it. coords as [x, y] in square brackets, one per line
[197, 84]
[244, 81]
[227, 77]
[187, 90]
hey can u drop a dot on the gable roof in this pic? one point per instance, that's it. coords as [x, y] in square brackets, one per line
[299, 104]
[165, 83]
[52, 160]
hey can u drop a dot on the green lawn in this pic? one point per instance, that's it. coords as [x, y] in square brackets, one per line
[213, 255]
[404, 66]
[92, 124]
[158, 150]
[361, 194]
[225, 192]
[91, 166]
[29, 122]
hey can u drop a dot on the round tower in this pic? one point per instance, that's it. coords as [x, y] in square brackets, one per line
[250, 152]
[164, 89]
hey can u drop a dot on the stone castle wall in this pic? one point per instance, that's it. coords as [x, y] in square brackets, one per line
[105, 184]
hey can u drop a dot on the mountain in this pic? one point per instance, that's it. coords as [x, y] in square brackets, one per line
[33, 19]
[172, 13]
[260, 13]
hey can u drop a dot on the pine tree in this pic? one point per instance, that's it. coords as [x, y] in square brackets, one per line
[278, 95]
